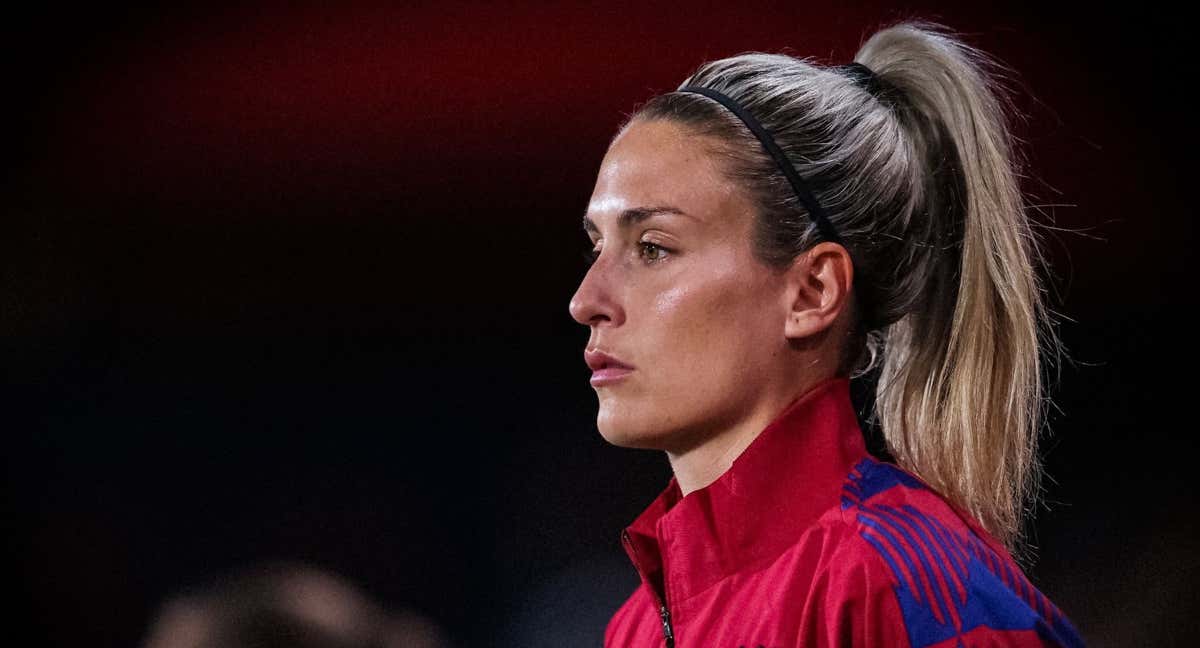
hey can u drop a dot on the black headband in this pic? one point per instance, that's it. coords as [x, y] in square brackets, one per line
[860, 74]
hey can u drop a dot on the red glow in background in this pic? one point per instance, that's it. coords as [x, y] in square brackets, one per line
[269, 270]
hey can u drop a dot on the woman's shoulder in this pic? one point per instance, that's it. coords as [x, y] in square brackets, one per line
[877, 491]
[905, 552]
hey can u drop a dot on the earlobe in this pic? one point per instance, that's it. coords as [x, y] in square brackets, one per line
[804, 323]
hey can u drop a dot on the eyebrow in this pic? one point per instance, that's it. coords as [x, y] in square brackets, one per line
[632, 216]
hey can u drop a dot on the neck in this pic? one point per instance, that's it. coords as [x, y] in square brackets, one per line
[704, 463]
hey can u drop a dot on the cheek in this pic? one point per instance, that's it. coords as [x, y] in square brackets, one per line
[721, 325]
[669, 302]
[683, 324]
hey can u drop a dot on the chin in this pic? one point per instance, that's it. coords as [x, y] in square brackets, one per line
[623, 438]
[626, 431]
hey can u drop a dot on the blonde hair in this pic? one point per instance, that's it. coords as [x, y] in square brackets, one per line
[921, 181]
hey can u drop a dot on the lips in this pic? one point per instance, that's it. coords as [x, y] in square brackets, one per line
[606, 369]
[598, 360]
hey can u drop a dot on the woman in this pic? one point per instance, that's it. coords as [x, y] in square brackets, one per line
[763, 234]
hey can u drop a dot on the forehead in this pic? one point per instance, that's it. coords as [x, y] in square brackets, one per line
[653, 163]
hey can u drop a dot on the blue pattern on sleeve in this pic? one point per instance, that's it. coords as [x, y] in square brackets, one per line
[947, 583]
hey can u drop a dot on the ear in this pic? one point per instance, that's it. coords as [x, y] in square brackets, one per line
[818, 289]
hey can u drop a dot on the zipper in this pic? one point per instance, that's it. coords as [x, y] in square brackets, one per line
[663, 612]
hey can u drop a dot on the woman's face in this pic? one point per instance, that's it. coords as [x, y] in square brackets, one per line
[675, 293]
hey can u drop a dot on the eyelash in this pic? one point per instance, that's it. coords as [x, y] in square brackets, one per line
[590, 256]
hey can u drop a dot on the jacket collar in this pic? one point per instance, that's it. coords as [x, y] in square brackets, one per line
[774, 491]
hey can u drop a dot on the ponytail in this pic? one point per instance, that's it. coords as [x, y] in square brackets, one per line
[960, 392]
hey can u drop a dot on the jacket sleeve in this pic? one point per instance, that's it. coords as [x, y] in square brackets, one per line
[869, 594]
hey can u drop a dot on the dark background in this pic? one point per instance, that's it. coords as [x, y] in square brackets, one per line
[292, 283]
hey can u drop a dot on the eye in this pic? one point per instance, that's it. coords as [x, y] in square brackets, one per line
[652, 252]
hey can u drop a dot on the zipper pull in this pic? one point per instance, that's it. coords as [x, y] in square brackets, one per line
[663, 612]
[666, 621]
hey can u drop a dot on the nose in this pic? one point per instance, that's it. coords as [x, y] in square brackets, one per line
[595, 300]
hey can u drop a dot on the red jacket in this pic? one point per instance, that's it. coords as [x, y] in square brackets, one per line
[808, 541]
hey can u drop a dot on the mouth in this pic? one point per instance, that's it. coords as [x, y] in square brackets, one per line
[609, 375]
[606, 369]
